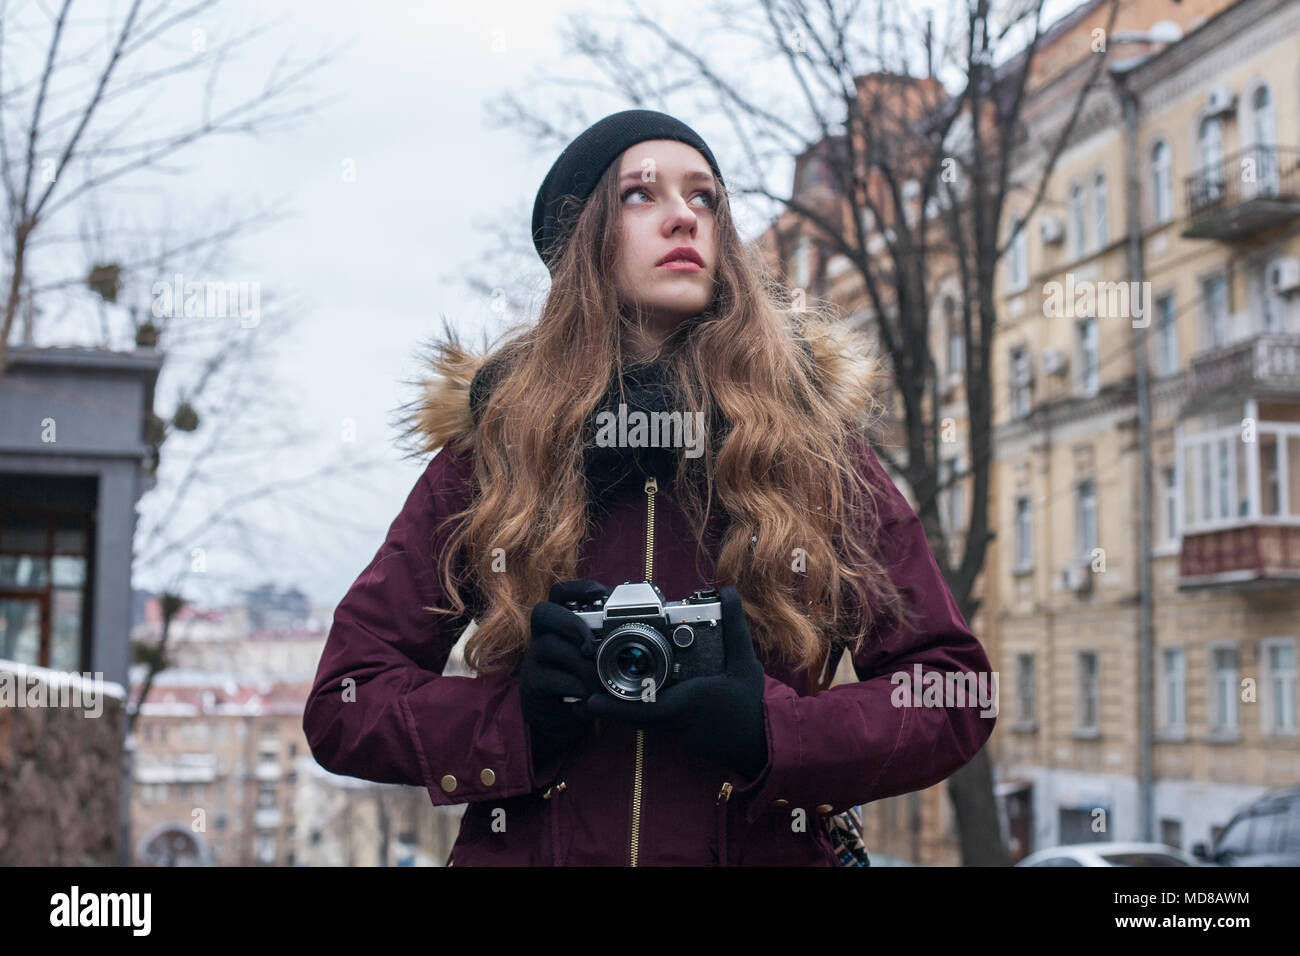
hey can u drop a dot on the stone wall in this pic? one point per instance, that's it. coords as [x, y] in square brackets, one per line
[60, 776]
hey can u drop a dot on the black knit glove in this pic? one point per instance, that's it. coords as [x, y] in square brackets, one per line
[720, 716]
[558, 663]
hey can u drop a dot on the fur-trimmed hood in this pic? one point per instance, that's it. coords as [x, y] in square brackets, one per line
[442, 414]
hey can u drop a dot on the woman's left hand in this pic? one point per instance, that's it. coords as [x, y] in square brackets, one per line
[719, 716]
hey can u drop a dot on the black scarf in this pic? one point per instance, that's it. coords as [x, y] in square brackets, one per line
[647, 388]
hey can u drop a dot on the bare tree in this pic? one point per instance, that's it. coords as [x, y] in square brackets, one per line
[906, 126]
[81, 118]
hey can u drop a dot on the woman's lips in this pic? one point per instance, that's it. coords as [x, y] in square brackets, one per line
[682, 265]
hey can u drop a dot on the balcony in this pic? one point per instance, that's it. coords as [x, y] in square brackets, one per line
[1251, 553]
[1238, 495]
[1245, 193]
[267, 818]
[1267, 362]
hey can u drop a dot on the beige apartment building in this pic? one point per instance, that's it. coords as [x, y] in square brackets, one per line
[1215, 91]
[1217, 126]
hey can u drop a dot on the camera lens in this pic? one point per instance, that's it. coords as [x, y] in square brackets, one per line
[634, 661]
[633, 658]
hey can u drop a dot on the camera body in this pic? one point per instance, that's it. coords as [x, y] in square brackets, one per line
[644, 643]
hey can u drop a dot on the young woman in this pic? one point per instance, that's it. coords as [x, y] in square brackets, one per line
[543, 486]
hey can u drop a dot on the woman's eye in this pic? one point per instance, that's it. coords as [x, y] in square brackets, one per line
[711, 199]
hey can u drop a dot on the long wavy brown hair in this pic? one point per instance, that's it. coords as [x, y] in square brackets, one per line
[783, 475]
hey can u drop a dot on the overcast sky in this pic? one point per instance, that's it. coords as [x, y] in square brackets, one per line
[375, 260]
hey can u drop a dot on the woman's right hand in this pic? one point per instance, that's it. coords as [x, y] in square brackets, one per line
[559, 662]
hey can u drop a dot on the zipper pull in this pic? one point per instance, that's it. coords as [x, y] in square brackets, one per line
[554, 788]
[724, 794]
[651, 485]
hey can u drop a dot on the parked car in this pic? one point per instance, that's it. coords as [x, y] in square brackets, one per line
[1263, 833]
[1110, 854]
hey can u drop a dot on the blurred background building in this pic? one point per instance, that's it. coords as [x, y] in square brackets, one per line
[1207, 211]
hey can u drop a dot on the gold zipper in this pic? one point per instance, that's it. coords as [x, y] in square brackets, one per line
[651, 488]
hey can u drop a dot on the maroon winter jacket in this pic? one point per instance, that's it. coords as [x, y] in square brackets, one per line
[628, 796]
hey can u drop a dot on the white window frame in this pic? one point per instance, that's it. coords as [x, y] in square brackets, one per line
[956, 338]
[1018, 257]
[1026, 689]
[1023, 522]
[1087, 530]
[1089, 349]
[1205, 494]
[1216, 332]
[1167, 333]
[1162, 181]
[1077, 219]
[1224, 684]
[1172, 690]
[1262, 134]
[1279, 688]
[1168, 495]
[1022, 380]
[803, 262]
[1087, 688]
[1100, 210]
[1209, 153]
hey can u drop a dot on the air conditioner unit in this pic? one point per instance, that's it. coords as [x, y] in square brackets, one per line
[1077, 577]
[1051, 230]
[1222, 100]
[1054, 362]
[1284, 276]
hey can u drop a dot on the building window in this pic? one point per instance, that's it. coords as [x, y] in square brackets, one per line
[1263, 130]
[1209, 142]
[1270, 307]
[1024, 534]
[1279, 664]
[1021, 382]
[44, 573]
[952, 504]
[1086, 517]
[1270, 478]
[1078, 221]
[956, 339]
[1025, 687]
[1214, 303]
[803, 262]
[1099, 203]
[1169, 502]
[1088, 703]
[1173, 687]
[1162, 181]
[1223, 689]
[1167, 335]
[1019, 255]
[1089, 358]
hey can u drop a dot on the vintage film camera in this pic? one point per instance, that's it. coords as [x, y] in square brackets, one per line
[643, 641]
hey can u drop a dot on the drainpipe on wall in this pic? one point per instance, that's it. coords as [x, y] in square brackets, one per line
[1145, 701]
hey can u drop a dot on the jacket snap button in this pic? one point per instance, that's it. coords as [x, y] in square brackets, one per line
[448, 783]
[488, 778]
[824, 808]
[781, 802]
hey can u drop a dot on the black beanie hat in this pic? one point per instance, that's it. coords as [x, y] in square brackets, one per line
[584, 160]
